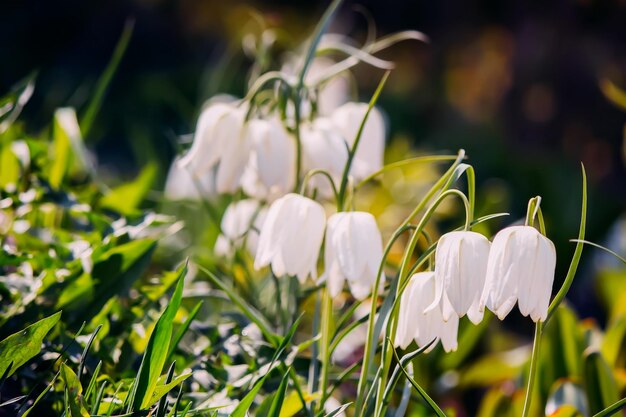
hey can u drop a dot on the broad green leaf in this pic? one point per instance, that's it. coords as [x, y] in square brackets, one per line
[20, 347]
[599, 382]
[156, 352]
[115, 271]
[126, 198]
[74, 392]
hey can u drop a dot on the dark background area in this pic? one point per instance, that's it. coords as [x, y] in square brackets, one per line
[514, 83]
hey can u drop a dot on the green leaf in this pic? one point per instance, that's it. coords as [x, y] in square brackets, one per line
[612, 409]
[614, 343]
[68, 152]
[9, 166]
[20, 347]
[105, 79]
[126, 198]
[432, 404]
[279, 397]
[599, 382]
[116, 270]
[74, 392]
[12, 104]
[182, 330]
[162, 389]
[253, 315]
[244, 405]
[156, 351]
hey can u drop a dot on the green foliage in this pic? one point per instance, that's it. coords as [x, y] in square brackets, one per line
[20, 347]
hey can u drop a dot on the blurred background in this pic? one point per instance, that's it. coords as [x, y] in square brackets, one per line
[517, 84]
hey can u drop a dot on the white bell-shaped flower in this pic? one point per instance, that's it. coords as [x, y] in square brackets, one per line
[460, 270]
[417, 321]
[182, 184]
[353, 252]
[291, 237]
[271, 170]
[220, 140]
[324, 148]
[240, 225]
[370, 151]
[520, 269]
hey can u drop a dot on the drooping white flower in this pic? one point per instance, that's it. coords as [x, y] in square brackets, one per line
[291, 237]
[370, 151]
[324, 148]
[353, 253]
[520, 269]
[271, 169]
[182, 184]
[241, 223]
[220, 140]
[460, 269]
[417, 321]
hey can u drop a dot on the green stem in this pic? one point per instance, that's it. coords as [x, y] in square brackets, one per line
[532, 376]
[346, 169]
[573, 267]
[371, 340]
[322, 172]
[387, 353]
[327, 314]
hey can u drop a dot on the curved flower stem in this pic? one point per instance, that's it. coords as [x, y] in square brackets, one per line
[322, 172]
[532, 375]
[560, 296]
[437, 186]
[573, 267]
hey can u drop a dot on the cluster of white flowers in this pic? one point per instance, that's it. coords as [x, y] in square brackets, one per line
[265, 153]
[236, 149]
[471, 273]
